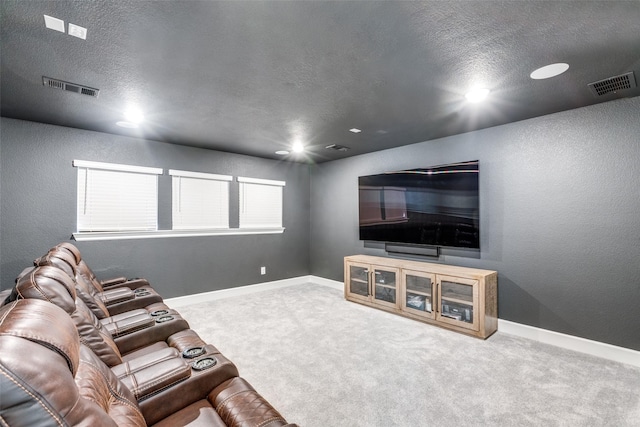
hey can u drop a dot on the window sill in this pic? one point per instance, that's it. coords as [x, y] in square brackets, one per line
[160, 234]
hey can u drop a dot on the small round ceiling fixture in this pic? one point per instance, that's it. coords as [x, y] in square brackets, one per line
[282, 152]
[134, 115]
[549, 71]
[297, 147]
[477, 94]
[132, 118]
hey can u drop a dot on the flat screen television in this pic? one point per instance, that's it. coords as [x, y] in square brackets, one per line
[434, 206]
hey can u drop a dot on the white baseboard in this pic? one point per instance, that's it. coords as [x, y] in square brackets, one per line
[582, 345]
[327, 282]
[570, 342]
[234, 292]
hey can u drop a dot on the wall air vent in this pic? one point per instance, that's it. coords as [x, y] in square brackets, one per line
[71, 87]
[337, 147]
[613, 84]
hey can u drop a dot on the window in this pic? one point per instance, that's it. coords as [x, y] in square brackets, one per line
[199, 200]
[260, 203]
[113, 197]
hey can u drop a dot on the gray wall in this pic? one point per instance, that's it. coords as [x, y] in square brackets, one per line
[560, 204]
[38, 210]
[559, 208]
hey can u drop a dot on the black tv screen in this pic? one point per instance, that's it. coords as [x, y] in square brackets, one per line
[435, 206]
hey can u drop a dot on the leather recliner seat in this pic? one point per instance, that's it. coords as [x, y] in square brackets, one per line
[102, 302]
[100, 285]
[78, 389]
[66, 263]
[114, 340]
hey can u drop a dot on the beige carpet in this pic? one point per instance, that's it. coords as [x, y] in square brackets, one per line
[325, 362]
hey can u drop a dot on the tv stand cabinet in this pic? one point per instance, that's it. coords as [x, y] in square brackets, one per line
[457, 298]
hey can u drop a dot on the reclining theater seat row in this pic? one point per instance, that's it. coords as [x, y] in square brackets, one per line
[147, 300]
[101, 286]
[133, 336]
[140, 367]
[124, 296]
[77, 389]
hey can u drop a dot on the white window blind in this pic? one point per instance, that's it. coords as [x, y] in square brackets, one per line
[260, 203]
[199, 200]
[114, 197]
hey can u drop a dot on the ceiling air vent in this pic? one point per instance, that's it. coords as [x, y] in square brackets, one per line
[613, 84]
[71, 87]
[337, 147]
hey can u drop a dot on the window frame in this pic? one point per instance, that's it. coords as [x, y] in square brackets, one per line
[164, 233]
[86, 224]
[176, 205]
[242, 204]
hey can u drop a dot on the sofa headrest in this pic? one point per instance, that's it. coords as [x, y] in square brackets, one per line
[47, 283]
[43, 323]
[58, 258]
[66, 246]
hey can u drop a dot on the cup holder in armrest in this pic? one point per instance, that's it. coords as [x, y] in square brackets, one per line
[192, 352]
[163, 319]
[204, 363]
[142, 294]
[159, 312]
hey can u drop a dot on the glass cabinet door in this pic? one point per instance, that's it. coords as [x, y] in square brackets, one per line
[418, 293]
[385, 286]
[357, 277]
[458, 299]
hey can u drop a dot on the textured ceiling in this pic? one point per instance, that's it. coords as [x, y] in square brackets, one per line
[253, 77]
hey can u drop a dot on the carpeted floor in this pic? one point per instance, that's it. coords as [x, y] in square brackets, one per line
[325, 362]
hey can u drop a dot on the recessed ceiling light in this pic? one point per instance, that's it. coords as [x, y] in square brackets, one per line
[297, 147]
[549, 71]
[282, 152]
[54, 23]
[477, 95]
[355, 130]
[132, 118]
[77, 31]
[133, 115]
[128, 125]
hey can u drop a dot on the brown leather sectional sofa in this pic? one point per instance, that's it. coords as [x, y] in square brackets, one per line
[75, 351]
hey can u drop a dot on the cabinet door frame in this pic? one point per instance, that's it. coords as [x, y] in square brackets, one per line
[405, 291]
[347, 279]
[372, 281]
[475, 284]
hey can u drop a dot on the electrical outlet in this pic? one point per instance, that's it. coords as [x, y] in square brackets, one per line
[263, 270]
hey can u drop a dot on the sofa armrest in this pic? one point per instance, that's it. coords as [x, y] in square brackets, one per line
[142, 297]
[126, 283]
[113, 296]
[160, 331]
[195, 388]
[237, 403]
[187, 339]
[112, 282]
[145, 362]
[118, 328]
[122, 316]
[147, 381]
